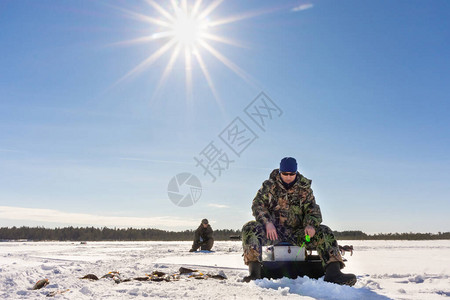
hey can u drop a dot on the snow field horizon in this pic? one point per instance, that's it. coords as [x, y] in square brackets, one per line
[385, 270]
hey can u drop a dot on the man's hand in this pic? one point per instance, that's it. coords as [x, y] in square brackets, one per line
[271, 232]
[309, 230]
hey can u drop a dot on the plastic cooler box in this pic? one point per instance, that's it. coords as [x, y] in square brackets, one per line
[287, 260]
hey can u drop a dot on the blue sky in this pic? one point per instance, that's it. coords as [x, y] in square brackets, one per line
[362, 86]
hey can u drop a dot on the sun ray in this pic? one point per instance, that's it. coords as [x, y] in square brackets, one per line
[184, 6]
[141, 17]
[232, 66]
[176, 8]
[209, 9]
[210, 82]
[188, 70]
[241, 17]
[195, 9]
[163, 34]
[161, 10]
[167, 70]
[150, 60]
[144, 39]
[222, 40]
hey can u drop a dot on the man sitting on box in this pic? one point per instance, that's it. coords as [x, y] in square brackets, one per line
[285, 210]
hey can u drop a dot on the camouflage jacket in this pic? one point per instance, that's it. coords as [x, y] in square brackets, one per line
[204, 233]
[294, 208]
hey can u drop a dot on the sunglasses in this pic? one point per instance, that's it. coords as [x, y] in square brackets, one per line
[288, 174]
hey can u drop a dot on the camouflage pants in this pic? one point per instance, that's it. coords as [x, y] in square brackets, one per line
[203, 245]
[254, 237]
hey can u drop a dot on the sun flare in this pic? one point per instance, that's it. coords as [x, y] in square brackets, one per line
[186, 28]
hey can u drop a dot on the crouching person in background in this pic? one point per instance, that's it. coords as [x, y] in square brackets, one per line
[203, 237]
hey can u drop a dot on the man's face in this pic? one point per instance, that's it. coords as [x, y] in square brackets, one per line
[288, 177]
[204, 225]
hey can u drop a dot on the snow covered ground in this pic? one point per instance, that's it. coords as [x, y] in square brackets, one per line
[385, 270]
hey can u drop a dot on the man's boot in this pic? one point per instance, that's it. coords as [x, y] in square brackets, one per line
[333, 274]
[254, 268]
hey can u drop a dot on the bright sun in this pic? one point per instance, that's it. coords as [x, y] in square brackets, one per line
[186, 28]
